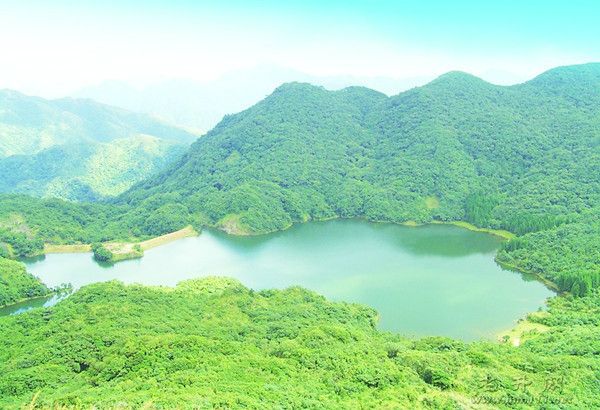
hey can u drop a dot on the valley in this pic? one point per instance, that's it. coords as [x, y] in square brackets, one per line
[305, 194]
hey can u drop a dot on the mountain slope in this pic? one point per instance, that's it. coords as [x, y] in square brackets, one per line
[524, 158]
[433, 152]
[79, 149]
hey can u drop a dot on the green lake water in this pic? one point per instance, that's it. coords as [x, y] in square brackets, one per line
[430, 280]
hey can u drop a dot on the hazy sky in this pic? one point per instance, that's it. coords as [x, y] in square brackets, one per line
[55, 47]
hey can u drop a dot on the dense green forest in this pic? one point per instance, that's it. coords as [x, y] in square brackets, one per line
[17, 284]
[523, 158]
[27, 223]
[79, 149]
[213, 343]
[568, 255]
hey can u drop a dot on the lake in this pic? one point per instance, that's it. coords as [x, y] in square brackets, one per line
[429, 280]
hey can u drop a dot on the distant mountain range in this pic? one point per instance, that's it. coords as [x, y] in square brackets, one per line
[200, 106]
[79, 149]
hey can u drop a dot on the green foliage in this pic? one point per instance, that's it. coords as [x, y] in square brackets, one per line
[479, 207]
[101, 254]
[568, 255]
[520, 158]
[168, 218]
[19, 244]
[214, 343]
[79, 149]
[35, 221]
[17, 284]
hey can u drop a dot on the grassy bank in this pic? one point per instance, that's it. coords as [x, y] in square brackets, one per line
[118, 251]
[466, 225]
[232, 225]
[124, 250]
[525, 328]
[186, 232]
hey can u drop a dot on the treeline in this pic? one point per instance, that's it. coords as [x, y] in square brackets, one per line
[482, 210]
[27, 223]
[568, 255]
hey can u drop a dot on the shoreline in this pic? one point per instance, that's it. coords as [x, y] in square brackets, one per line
[147, 244]
[410, 223]
[77, 248]
[547, 282]
[470, 227]
[186, 232]
[52, 293]
[190, 231]
[515, 332]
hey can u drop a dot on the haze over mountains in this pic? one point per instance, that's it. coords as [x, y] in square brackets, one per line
[201, 105]
[79, 149]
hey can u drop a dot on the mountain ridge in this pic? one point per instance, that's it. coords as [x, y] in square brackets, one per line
[519, 158]
[42, 146]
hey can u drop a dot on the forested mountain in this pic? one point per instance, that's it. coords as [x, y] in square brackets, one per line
[457, 148]
[79, 149]
[523, 158]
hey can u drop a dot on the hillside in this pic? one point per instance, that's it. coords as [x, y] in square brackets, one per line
[17, 284]
[524, 158]
[308, 153]
[79, 149]
[213, 343]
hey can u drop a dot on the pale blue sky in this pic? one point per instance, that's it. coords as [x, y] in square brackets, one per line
[54, 47]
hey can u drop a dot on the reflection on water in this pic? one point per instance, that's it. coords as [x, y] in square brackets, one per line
[21, 307]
